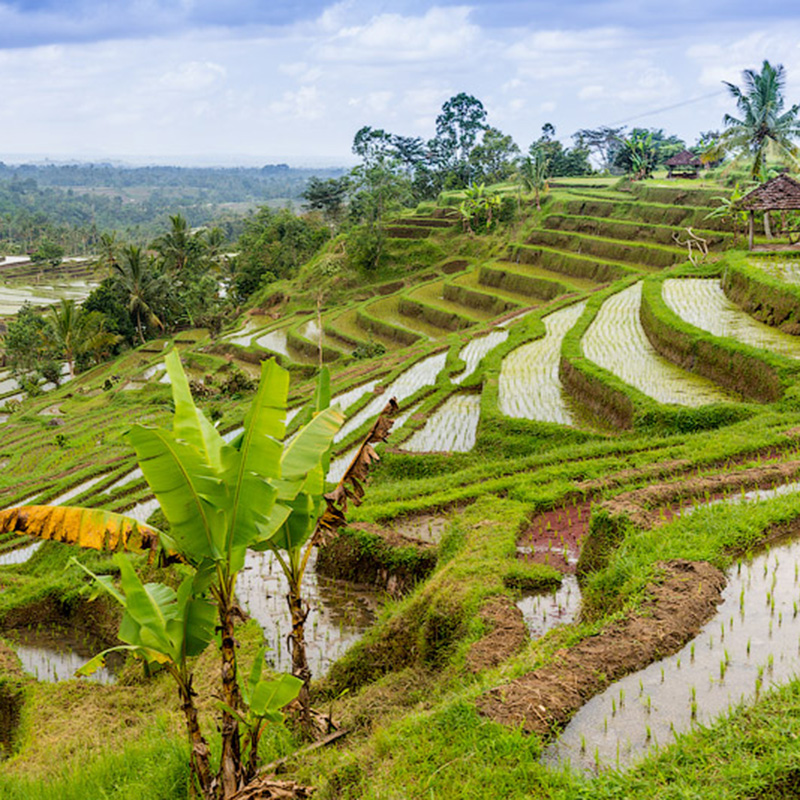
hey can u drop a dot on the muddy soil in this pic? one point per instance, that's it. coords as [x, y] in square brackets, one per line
[678, 604]
[654, 505]
[554, 537]
[507, 635]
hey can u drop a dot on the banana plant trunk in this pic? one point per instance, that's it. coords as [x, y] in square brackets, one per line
[231, 777]
[300, 668]
[199, 755]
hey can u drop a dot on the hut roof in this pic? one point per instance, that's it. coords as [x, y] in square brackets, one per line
[781, 193]
[684, 159]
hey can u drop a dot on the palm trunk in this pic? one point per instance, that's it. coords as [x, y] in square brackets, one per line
[230, 760]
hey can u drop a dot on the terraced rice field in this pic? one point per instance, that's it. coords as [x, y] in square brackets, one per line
[784, 269]
[421, 374]
[432, 294]
[617, 342]
[749, 645]
[702, 303]
[13, 297]
[388, 310]
[453, 427]
[529, 386]
[476, 349]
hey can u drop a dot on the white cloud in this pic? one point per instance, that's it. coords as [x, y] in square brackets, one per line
[193, 76]
[441, 33]
[303, 104]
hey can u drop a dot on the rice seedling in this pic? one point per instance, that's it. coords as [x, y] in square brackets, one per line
[617, 342]
[702, 303]
[529, 386]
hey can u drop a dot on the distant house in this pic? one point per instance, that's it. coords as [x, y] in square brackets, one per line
[684, 164]
[778, 194]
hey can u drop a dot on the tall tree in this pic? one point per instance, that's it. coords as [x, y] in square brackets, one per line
[75, 332]
[461, 120]
[762, 124]
[603, 142]
[493, 158]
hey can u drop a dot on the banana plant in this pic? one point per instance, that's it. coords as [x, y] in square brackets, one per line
[220, 500]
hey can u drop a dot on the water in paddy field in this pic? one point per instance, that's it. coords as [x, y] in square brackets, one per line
[423, 373]
[275, 341]
[473, 353]
[751, 644]
[53, 654]
[702, 303]
[453, 427]
[340, 612]
[785, 269]
[543, 612]
[346, 399]
[65, 497]
[617, 342]
[19, 555]
[529, 386]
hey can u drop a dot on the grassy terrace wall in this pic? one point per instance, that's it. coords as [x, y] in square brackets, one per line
[569, 264]
[754, 374]
[440, 317]
[481, 300]
[609, 249]
[619, 403]
[498, 277]
[763, 296]
[651, 213]
[677, 195]
[378, 326]
[631, 231]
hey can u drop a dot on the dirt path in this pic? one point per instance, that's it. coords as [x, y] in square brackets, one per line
[507, 635]
[678, 605]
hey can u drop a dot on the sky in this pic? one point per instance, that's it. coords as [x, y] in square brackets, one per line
[250, 82]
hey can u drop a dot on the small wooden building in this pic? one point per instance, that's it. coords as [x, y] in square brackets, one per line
[685, 164]
[778, 194]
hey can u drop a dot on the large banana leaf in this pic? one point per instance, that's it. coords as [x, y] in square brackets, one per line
[191, 495]
[252, 468]
[161, 624]
[84, 527]
[306, 451]
[189, 423]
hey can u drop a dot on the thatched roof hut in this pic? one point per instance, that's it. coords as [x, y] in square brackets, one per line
[778, 194]
[684, 163]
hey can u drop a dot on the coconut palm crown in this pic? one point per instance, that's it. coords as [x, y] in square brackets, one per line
[763, 124]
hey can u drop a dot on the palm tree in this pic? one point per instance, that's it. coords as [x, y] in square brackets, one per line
[763, 124]
[532, 172]
[142, 285]
[179, 247]
[75, 332]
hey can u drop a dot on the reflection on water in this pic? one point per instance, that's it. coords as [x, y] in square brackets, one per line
[542, 612]
[340, 613]
[54, 654]
[750, 645]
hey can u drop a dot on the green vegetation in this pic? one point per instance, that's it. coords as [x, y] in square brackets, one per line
[572, 467]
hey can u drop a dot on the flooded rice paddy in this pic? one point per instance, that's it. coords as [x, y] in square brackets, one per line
[617, 342]
[340, 612]
[751, 644]
[529, 386]
[54, 654]
[19, 555]
[453, 427]
[702, 303]
[473, 353]
[421, 374]
[543, 612]
[784, 269]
